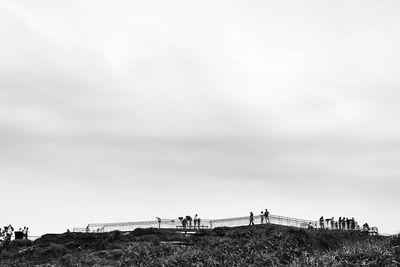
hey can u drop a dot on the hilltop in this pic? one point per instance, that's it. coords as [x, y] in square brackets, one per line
[260, 245]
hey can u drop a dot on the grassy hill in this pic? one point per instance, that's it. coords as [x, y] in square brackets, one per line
[261, 245]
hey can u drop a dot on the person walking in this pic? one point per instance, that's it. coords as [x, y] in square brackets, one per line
[251, 218]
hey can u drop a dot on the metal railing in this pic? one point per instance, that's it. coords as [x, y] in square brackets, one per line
[79, 230]
[205, 223]
[274, 219]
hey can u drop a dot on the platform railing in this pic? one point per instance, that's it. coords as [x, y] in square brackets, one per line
[205, 223]
[274, 219]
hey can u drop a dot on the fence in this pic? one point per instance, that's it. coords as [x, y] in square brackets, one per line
[274, 219]
[205, 223]
[209, 224]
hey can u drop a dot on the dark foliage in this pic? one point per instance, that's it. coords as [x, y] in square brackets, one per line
[263, 245]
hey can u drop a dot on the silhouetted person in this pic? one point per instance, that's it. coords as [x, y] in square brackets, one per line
[327, 222]
[262, 217]
[266, 215]
[340, 223]
[189, 220]
[348, 223]
[196, 220]
[321, 222]
[10, 231]
[353, 223]
[251, 219]
[343, 223]
[366, 227]
[159, 222]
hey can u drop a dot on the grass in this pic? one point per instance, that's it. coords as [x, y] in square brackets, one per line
[262, 245]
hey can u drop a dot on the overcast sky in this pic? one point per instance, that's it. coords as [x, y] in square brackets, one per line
[127, 110]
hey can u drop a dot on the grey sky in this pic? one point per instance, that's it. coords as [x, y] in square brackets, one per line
[128, 110]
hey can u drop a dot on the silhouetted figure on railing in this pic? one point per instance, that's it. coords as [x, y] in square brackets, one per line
[189, 220]
[262, 217]
[197, 221]
[266, 215]
[183, 221]
[251, 219]
[321, 222]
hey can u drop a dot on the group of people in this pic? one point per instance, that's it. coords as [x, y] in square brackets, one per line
[7, 232]
[187, 221]
[341, 224]
[264, 216]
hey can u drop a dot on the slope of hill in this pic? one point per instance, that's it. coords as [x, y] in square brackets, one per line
[261, 245]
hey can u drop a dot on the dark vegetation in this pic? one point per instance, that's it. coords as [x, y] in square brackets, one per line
[262, 245]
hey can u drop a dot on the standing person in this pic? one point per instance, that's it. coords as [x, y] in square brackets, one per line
[189, 220]
[321, 222]
[262, 217]
[251, 219]
[195, 221]
[24, 232]
[266, 215]
[10, 230]
[353, 223]
[343, 223]
[327, 223]
[348, 223]
[340, 223]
